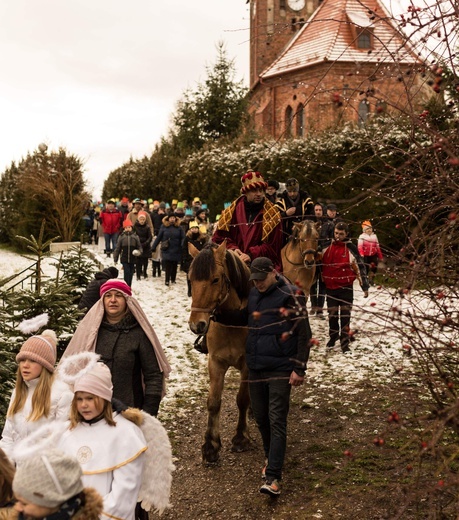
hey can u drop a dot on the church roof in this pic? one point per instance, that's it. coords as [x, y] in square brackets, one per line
[329, 36]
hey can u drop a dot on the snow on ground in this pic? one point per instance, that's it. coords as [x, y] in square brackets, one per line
[377, 351]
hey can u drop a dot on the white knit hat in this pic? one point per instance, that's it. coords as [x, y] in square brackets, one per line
[48, 479]
[97, 381]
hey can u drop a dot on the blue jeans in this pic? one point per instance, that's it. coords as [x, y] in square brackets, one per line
[270, 399]
[128, 270]
[110, 239]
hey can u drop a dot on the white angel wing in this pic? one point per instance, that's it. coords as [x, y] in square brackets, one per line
[156, 484]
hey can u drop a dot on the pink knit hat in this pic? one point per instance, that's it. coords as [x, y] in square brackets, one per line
[117, 285]
[97, 381]
[41, 349]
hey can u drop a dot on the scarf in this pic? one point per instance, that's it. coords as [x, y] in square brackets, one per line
[85, 337]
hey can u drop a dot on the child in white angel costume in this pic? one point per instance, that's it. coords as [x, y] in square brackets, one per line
[126, 456]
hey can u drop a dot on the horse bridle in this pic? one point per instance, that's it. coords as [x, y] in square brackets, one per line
[303, 254]
[220, 300]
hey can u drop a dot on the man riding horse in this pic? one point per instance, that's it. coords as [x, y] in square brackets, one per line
[252, 225]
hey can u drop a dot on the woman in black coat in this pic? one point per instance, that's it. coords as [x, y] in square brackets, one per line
[143, 231]
[172, 231]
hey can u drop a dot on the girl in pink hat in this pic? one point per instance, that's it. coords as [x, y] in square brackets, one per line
[38, 397]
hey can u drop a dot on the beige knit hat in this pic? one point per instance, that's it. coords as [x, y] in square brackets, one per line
[97, 381]
[41, 349]
[48, 479]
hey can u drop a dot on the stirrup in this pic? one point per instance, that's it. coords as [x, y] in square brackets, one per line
[201, 344]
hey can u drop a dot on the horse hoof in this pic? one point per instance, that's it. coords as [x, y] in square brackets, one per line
[210, 455]
[240, 445]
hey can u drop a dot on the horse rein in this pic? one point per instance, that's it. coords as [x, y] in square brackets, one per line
[303, 254]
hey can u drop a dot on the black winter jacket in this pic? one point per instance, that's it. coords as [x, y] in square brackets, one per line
[128, 353]
[126, 244]
[266, 347]
[143, 231]
[175, 234]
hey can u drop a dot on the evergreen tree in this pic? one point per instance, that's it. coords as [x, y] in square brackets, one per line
[43, 185]
[216, 109]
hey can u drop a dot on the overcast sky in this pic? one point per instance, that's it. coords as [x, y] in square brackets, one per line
[101, 77]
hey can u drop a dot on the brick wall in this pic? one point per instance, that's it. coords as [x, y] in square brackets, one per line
[332, 93]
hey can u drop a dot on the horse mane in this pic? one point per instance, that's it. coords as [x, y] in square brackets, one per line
[204, 264]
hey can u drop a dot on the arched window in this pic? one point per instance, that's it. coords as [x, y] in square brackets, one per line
[288, 121]
[300, 120]
[364, 110]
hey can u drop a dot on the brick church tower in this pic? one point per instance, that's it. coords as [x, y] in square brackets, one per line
[273, 23]
[316, 65]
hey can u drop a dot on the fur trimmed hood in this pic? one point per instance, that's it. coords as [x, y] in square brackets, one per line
[92, 509]
[168, 224]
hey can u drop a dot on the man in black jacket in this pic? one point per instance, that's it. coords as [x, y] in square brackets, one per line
[295, 206]
[277, 351]
[92, 292]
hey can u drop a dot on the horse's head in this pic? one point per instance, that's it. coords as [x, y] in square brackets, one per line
[209, 285]
[308, 239]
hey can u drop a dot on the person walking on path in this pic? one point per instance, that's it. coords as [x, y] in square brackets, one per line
[118, 329]
[199, 240]
[143, 231]
[369, 250]
[111, 220]
[38, 396]
[341, 266]
[318, 291]
[128, 248]
[172, 233]
[277, 351]
[251, 225]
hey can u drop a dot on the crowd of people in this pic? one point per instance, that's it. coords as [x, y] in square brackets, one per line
[109, 383]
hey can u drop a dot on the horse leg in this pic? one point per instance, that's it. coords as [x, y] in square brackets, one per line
[212, 443]
[241, 441]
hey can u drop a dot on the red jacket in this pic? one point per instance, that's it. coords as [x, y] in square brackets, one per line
[111, 221]
[341, 265]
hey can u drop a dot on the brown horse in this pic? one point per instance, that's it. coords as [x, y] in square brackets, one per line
[220, 283]
[299, 255]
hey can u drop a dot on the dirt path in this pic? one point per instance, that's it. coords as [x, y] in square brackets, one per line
[319, 480]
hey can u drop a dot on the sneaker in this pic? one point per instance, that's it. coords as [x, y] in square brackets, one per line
[346, 350]
[331, 343]
[263, 471]
[272, 489]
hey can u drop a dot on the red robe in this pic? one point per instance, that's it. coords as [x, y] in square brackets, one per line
[261, 237]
